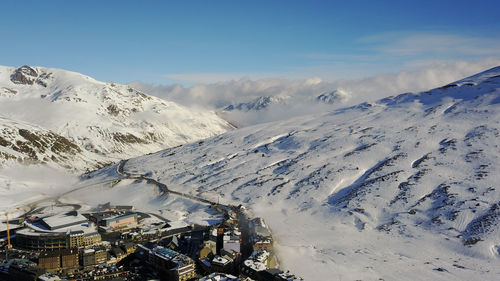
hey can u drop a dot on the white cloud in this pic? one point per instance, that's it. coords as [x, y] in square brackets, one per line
[21, 185]
[424, 75]
[215, 77]
[204, 77]
[372, 55]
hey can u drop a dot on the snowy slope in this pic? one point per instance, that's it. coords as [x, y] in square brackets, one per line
[106, 121]
[401, 189]
[25, 143]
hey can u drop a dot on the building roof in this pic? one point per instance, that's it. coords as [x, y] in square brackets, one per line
[260, 227]
[108, 206]
[63, 220]
[229, 253]
[221, 260]
[34, 232]
[76, 233]
[72, 251]
[257, 266]
[167, 254]
[206, 262]
[219, 277]
[287, 276]
[62, 225]
[120, 217]
[176, 224]
[124, 207]
[154, 226]
[88, 251]
[49, 277]
[49, 254]
[258, 260]
[88, 234]
[112, 215]
[171, 241]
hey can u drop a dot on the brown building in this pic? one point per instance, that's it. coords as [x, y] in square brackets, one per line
[49, 260]
[94, 256]
[59, 259]
[80, 239]
[27, 239]
[69, 258]
[88, 257]
[112, 221]
[101, 256]
[208, 249]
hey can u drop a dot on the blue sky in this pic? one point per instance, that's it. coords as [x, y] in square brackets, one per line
[206, 41]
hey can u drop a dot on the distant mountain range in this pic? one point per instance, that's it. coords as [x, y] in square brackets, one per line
[402, 188]
[70, 120]
[337, 97]
[256, 104]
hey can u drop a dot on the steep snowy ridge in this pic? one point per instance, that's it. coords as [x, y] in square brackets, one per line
[106, 121]
[28, 144]
[401, 189]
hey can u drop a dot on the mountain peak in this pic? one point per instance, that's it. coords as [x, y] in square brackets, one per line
[333, 96]
[257, 104]
[26, 75]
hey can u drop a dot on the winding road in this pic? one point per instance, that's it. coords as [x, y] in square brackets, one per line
[163, 187]
[246, 246]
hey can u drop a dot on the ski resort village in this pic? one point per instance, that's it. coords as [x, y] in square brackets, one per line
[122, 243]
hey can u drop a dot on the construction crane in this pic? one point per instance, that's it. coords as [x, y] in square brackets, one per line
[9, 246]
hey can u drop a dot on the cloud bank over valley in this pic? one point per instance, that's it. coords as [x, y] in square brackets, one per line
[295, 97]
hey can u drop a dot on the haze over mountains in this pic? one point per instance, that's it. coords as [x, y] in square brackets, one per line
[70, 120]
[402, 188]
[253, 101]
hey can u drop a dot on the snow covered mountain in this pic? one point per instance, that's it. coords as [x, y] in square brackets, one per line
[338, 97]
[258, 103]
[404, 188]
[57, 116]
